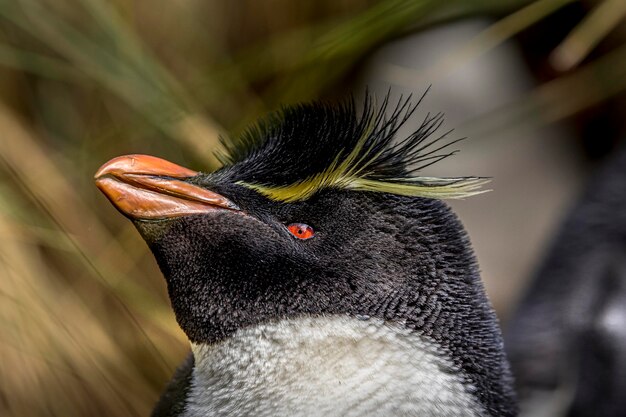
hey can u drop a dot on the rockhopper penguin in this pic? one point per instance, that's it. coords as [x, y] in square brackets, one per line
[567, 339]
[316, 274]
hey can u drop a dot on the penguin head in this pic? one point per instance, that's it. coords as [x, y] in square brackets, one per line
[315, 211]
[318, 211]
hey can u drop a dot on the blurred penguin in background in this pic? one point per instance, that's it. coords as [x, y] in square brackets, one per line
[567, 339]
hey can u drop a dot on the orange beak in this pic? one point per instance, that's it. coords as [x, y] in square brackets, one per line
[143, 187]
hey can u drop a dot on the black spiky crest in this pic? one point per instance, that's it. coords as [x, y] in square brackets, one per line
[293, 153]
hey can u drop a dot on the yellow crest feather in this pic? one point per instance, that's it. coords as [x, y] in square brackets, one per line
[369, 159]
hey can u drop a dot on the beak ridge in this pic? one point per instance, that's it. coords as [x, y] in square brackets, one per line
[143, 165]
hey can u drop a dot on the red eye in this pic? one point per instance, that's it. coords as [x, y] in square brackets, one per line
[301, 230]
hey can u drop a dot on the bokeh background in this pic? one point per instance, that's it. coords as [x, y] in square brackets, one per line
[85, 324]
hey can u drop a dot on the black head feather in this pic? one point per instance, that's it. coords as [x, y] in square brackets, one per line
[300, 150]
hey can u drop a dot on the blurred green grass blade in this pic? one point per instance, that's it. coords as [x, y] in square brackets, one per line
[331, 40]
[113, 57]
[604, 18]
[38, 64]
[493, 36]
[558, 99]
[326, 52]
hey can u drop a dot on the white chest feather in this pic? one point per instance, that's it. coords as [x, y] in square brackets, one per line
[334, 366]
